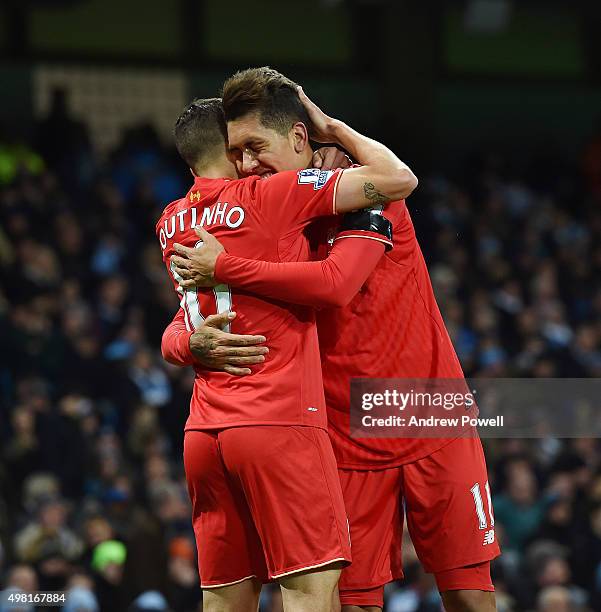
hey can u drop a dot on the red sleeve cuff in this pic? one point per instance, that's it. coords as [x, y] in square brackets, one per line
[221, 267]
[184, 340]
[366, 235]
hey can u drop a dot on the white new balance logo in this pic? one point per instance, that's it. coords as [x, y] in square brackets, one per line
[489, 537]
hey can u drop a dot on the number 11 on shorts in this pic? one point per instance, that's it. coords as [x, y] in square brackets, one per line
[475, 490]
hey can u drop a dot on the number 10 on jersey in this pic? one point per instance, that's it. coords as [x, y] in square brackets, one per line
[198, 305]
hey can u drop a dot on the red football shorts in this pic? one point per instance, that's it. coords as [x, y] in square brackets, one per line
[266, 502]
[446, 499]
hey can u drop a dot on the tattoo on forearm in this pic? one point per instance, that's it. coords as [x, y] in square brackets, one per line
[373, 195]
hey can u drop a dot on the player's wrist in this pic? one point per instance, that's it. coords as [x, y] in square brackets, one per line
[337, 129]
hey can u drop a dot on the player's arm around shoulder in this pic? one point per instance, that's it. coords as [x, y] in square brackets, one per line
[382, 176]
[365, 186]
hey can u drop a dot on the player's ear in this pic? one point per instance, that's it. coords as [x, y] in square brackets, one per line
[299, 136]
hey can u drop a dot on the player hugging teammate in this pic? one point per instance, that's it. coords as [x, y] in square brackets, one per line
[272, 470]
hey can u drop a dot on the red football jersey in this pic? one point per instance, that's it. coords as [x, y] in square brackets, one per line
[257, 219]
[391, 329]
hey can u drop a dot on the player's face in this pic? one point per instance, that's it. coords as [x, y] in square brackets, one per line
[263, 151]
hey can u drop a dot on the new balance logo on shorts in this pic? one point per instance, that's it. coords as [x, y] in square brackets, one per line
[489, 537]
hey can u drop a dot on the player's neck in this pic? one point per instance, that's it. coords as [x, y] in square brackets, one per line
[215, 171]
[307, 158]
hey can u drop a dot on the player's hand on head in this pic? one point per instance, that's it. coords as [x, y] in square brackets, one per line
[220, 350]
[330, 158]
[322, 124]
[196, 266]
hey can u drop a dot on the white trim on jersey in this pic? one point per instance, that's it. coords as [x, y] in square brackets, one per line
[383, 240]
[334, 212]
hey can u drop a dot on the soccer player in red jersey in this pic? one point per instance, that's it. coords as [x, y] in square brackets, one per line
[392, 328]
[267, 502]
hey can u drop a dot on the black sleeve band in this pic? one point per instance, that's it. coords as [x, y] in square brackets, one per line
[368, 221]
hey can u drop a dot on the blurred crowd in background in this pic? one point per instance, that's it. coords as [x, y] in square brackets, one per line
[93, 498]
